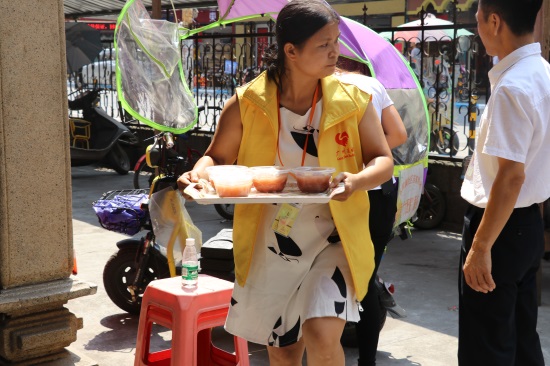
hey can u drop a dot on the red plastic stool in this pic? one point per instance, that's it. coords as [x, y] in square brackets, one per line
[190, 314]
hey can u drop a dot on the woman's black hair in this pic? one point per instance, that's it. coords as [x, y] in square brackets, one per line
[520, 15]
[296, 23]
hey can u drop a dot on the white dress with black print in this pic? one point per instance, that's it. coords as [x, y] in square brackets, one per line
[294, 278]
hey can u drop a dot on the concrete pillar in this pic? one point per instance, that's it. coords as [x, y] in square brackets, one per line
[35, 186]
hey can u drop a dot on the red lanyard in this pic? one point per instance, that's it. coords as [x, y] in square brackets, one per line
[311, 113]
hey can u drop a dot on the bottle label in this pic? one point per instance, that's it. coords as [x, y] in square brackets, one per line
[190, 271]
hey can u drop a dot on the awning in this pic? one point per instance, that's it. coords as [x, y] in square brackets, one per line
[87, 8]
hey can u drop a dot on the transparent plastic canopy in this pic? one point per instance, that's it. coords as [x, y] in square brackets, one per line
[151, 84]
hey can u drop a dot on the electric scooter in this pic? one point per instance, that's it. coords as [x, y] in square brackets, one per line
[98, 137]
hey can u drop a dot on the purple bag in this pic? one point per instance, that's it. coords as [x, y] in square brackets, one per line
[120, 211]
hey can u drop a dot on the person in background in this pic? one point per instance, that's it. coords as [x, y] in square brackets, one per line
[507, 178]
[294, 291]
[416, 54]
[383, 201]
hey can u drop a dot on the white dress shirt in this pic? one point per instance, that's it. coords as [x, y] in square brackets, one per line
[515, 125]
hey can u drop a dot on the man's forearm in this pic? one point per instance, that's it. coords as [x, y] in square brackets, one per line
[502, 199]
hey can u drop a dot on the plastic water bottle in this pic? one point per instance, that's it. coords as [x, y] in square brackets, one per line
[189, 264]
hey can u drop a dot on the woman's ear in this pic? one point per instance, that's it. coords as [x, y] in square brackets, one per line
[290, 51]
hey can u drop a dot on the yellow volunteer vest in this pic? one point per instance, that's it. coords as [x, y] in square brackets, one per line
[339, 147]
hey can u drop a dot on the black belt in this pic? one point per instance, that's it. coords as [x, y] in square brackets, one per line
[388, 187]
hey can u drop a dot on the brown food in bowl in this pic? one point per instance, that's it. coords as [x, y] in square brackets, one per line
[266, 184]
[313, 183]
[313, 179]
[269, 179]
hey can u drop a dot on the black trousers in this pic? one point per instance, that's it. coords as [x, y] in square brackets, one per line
[499, 328]
[382, 215]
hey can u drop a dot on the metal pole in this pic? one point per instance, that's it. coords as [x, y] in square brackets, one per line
[365, 14]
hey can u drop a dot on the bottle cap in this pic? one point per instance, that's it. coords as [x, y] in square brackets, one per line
[190, 241]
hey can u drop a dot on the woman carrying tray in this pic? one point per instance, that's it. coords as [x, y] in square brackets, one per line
[295, 288]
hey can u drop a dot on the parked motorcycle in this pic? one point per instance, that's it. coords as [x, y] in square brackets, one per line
[138, 261]
[98, 137]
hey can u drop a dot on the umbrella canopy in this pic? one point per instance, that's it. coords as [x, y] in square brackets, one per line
[231, 10]
[428, 35]
[83, 44]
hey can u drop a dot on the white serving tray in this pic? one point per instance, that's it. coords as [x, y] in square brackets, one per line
[291, 194]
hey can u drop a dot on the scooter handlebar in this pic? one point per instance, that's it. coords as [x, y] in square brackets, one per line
[169, 139]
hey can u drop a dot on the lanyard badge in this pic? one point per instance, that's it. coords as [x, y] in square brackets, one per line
[285, 219]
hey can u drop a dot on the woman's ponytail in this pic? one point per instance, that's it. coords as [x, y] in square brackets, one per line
[274, 63]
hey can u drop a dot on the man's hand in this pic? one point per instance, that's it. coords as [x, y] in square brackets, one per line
[477, 271]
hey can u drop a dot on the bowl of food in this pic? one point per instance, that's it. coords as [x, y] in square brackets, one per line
[269, 179]
[313, 179]
[230, 180]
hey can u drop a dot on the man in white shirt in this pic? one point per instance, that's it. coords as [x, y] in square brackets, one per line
[503, 238]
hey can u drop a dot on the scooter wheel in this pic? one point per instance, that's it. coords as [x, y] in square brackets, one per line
[119, 160]
[120, 271]
[431, 209]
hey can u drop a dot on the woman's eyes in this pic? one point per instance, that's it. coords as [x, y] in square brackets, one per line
[326, 44]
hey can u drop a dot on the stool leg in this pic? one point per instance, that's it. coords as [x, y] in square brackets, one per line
[204, 342]
[185, 342]
[241, 351]
[220, 357]
[143, 341]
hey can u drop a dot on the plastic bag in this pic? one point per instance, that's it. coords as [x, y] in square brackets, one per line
[121, 213]
[168, 213]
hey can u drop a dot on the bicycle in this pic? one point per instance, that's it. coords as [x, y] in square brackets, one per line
[443, 139]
